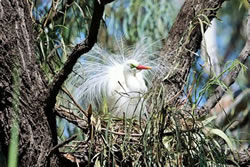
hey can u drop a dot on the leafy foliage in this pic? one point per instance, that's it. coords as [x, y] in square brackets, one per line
[173, 135]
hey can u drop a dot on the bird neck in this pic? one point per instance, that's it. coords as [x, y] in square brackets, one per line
[131, 80]
[129, 74]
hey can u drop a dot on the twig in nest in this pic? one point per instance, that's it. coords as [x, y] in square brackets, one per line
[121, 133]
[72, 98]
[71, 117]
[61, 144]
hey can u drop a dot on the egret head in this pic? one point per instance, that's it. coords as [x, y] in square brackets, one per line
[132, 67]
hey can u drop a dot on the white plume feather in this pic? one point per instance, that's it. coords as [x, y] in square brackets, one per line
[102, 71]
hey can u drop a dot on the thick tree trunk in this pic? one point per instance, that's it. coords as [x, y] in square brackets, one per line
[37, 133]
[183, 41]
[25, 96]
[24, 93]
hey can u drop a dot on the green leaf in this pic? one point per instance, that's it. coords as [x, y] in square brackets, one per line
[208, 120]
[220, 133]
[97, 163]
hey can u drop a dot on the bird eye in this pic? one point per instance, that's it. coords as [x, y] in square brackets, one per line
[132, 66]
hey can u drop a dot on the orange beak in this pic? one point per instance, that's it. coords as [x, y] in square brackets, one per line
[141, 67]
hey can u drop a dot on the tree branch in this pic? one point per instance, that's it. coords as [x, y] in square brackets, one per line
[62, 144]
[72, 118]
[231, 76]
[55, 15]
[79, 49]
[183, 41]
[75, 103]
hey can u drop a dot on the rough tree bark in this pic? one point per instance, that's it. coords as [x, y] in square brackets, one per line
[37, 126]
[32, 95]
[36, 99]
[183, 41]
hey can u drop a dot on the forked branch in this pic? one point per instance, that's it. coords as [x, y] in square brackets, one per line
[79, 50]
[231, 76]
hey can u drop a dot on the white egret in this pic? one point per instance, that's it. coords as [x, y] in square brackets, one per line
[119, 80]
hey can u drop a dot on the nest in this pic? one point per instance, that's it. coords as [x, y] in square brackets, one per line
[171, 136]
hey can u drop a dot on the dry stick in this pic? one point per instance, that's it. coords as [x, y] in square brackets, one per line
[121, 133]
[72, 118]
[231, 76]
[73, 100]
[62, 144]
[223, 115]
[54, 14]
[79, 50]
